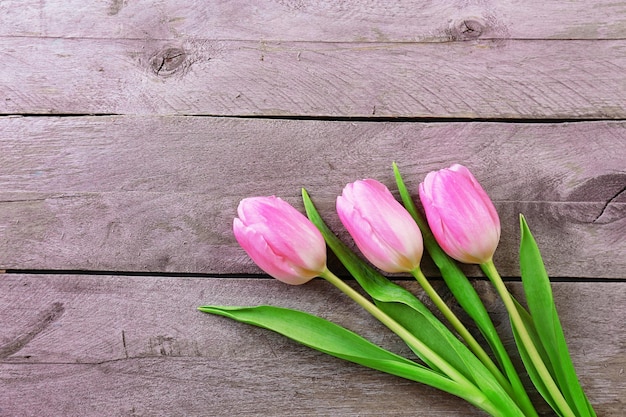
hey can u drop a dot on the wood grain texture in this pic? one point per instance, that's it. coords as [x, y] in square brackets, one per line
[327, 21]
[490, 79]
[93, 345]
[160, 193]
[154, 187]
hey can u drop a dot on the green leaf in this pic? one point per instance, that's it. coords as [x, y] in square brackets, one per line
[528, 363]
[547, 324]
[332, 339]
[413, 315]
[466, 295]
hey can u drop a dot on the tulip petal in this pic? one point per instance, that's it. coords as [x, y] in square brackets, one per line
[382, 229]
[460, 214]
[280, 239]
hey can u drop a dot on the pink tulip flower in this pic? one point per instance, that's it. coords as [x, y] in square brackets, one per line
[460, 214]
[280, 239]
[382, 229]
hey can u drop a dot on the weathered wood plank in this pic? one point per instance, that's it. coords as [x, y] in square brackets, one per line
[184, 232]
[328, 21]
[509, 79]
[159, 193]
[97, 204]
[93, 345]
[234, 156]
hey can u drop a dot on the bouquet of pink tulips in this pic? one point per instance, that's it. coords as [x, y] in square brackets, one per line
[461, 224]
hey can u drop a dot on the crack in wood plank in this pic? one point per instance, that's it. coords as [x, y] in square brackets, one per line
[124, 344]
[46, 198]
[45, 319]
[608, 203]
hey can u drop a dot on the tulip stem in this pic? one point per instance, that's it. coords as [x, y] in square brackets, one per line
[395, 327]
[462, 331]
[516, 320]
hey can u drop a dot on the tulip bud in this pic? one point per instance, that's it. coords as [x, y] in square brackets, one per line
[460, 214]
[280, 239]
[382, 229]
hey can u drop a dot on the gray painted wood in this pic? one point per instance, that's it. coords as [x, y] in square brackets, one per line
[94, 345]
[155, 193]
[160, 193]
[491, 79]
[328, 21]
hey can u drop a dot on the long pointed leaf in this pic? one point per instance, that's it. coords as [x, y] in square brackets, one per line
[332, 339]
[546, 320]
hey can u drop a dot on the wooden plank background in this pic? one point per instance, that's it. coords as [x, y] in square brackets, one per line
[130, 193]
[129, 131]
[122, 346]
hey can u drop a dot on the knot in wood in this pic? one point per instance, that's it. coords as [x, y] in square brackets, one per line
[168, 61]
[468, 29]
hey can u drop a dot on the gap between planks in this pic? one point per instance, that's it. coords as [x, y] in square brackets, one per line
[370, 119]
[194, 275]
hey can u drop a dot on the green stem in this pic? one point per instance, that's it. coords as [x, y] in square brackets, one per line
[462, 331]
[490, 270]
[474, 395]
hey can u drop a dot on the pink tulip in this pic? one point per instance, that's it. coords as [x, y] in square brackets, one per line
[382, 229]
[460, 214]
[280, 239]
